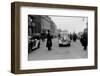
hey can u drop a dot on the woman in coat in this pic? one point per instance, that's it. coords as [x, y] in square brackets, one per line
[49, 41]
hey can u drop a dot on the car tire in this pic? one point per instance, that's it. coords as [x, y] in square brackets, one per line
[39, 45]
[59, 45]
[68, 45]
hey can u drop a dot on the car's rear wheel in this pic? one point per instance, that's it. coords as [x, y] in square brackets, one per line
[68, 45]
[39, 45]
[59, 45]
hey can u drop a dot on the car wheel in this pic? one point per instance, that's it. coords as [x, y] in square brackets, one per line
[39, 45]
[69, 45]
[59, 45]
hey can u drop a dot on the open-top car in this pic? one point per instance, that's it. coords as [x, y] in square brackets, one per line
[64, 39]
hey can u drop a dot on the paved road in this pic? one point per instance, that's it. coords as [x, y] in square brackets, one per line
[75, 51]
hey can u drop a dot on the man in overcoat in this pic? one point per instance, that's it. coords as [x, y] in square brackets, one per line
[49, 40]
[84, 40]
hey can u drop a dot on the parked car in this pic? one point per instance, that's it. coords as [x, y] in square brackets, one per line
[30, 44]
[36, 41]
[36, 44]
[33, 42]
[64, 39]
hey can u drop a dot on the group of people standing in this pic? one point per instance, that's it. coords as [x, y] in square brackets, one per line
[83, 39]
[73, 36]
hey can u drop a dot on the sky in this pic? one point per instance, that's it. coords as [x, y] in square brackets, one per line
[71, 24]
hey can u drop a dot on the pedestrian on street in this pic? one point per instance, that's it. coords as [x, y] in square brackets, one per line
[84, 40]
[74, 37]
[49, 40]
[42, 37]
[70, 36]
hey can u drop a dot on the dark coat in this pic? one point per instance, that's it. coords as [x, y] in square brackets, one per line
[84, 39]
[49, 40]
[74, 37]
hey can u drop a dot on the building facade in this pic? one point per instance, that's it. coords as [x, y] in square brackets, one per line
[34, 24]
[45, 23]
[38, 24]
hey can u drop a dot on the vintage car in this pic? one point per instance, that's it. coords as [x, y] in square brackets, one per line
[33, 43]
[64, 39]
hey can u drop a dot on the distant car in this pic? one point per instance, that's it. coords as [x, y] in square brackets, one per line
[64, 39]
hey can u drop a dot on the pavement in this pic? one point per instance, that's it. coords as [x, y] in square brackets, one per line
[75, 51]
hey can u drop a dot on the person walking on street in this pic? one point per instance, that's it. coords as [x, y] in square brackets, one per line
[74, 37]
[84, 40]
[49, 40]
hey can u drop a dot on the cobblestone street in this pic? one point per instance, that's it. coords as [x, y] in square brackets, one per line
[75, 51]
